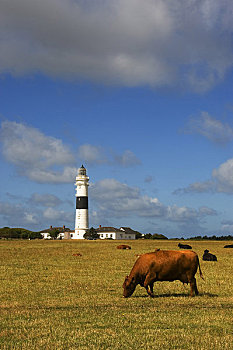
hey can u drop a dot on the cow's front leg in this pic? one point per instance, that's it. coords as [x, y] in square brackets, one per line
[149, 291]
[152, 289]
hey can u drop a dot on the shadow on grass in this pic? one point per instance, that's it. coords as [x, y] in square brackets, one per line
[209, 295]
[175, 295]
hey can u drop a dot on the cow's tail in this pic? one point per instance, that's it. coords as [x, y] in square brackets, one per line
[201, 275]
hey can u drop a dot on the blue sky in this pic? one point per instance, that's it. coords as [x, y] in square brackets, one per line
[138, 92]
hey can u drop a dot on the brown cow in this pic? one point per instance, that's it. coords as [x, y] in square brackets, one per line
[123, 246]
[163, 265]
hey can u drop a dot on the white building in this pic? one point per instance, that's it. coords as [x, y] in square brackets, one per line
[115, 233]
[46, 235]
[61, 232]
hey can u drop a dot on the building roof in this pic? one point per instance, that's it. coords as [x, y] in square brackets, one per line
[60, 229]
[107, 229]
[127, 230]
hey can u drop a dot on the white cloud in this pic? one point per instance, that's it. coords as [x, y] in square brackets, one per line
[67, 175]
[92, 154]
[46, 200]
[46, 159]
[35, 154]
[149, 179]
[220, 182]
[106, 189]
[223, 175]
[211, 128]
[154, 42]
[221, 179]
[128, 158]
[28, 146]
[185, 214]
[52, 215]
[17, 215]
[227, 227]
[115, 199]
[198, 187]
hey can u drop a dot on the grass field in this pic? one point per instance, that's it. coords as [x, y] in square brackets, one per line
[51, 299]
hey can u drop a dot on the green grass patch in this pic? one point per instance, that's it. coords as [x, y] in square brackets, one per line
[51, 299]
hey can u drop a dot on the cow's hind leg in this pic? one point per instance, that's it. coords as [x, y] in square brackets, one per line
[193, 285]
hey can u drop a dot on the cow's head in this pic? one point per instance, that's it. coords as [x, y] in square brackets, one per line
[129, 286]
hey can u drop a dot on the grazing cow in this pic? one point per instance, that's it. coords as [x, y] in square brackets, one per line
[77, 254]
[163, 265]
[123, 246]
[184, 246]
[228, 246]
[208, 256]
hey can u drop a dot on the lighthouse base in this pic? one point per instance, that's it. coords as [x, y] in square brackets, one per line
[78, 234]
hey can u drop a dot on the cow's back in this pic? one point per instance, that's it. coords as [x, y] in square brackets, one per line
[167, 265]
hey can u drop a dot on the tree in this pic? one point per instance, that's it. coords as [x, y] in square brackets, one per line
[35, 235]
[138, 235]
[147, 236]
[18, 233]
[158, 236]
[54, 232]
[91, 234]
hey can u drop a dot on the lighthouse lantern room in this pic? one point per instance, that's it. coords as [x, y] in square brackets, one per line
[81, 215]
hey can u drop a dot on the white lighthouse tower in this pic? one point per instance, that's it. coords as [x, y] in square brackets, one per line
[81, 216]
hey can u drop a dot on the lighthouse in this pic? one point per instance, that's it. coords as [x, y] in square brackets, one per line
[81, 215]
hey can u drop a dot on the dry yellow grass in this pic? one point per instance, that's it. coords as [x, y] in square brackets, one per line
[52, 299]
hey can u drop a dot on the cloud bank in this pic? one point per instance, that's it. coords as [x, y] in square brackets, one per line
[221, 181]
[131, 43]
[211, 128]
[117, 200]
[39, 211]
[46, 159]
[36, 155]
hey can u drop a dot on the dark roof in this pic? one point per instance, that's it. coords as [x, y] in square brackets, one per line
[60, 229]
[107, 229]
[127, 230]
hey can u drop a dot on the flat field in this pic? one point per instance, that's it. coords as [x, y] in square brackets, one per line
[52, 299]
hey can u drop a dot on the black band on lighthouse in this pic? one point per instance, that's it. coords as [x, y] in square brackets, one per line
[81, 202]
